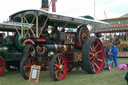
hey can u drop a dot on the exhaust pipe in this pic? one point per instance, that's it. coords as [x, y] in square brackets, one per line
[44, 5]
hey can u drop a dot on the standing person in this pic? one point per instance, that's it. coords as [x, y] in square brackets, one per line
[114, 52]
[107, 64]
[106, 50]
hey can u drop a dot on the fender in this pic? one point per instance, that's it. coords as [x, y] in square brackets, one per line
[28, 41]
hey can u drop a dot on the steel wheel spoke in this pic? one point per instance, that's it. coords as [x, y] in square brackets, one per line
[59, 59]
[29, 60]
[91, 54]
[91, 58]
[56, 73]
[56, 65]
[99, 59]
[93, 67]
[92, 49]
[100, 51]
[96, 65]
[96, 45]
[62, 63]
[60, 74]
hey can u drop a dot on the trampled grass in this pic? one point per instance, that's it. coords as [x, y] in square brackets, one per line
[113, 77]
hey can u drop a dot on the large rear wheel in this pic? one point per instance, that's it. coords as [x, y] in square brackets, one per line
[2, 66]
[93, 55]
[58, 67]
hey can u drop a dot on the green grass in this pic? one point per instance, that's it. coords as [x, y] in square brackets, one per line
[113, 77]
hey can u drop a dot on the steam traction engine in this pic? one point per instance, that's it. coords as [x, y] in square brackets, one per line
[53, 47]
[10, 47]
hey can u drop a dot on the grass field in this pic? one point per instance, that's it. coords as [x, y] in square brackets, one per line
[113, 77]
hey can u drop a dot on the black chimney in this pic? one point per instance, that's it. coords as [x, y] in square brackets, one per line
[44, 4]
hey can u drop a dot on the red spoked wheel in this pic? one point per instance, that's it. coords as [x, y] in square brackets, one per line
[2, 66]
[58, 67]
[93, 55]
[26, 63]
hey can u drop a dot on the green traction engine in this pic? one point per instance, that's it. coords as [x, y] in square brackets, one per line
[58, 43]
[10, 47]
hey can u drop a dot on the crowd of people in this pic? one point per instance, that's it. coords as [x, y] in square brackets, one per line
[111, 52]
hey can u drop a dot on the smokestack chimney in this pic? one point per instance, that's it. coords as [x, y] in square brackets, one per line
[44, 5]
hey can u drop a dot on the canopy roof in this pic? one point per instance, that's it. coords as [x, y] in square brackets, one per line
[54, 18]
[12, 27]
[115, 25]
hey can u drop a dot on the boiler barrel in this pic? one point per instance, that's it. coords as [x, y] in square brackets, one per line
[59, 48]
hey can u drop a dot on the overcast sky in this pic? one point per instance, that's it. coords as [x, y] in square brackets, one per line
[112, 8]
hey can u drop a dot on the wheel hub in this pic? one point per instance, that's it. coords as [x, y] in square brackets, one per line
[59, 67]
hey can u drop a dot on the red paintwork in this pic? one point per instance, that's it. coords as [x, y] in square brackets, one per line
[28, 41]
[69, 56]
[78, 44]
[41, 40]
[42, 52]
[2, 67]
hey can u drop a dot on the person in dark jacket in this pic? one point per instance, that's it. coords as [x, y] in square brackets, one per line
[126, 77]
[106, 50]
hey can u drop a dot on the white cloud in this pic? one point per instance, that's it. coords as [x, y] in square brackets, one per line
[113, 8]
[8, 7]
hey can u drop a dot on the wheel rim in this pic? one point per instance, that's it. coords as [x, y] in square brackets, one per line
[27, 65]
[2, 66]
[96, 55]
[60, 67]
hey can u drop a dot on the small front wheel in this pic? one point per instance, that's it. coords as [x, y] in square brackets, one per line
[25, 65]
[58, 67]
